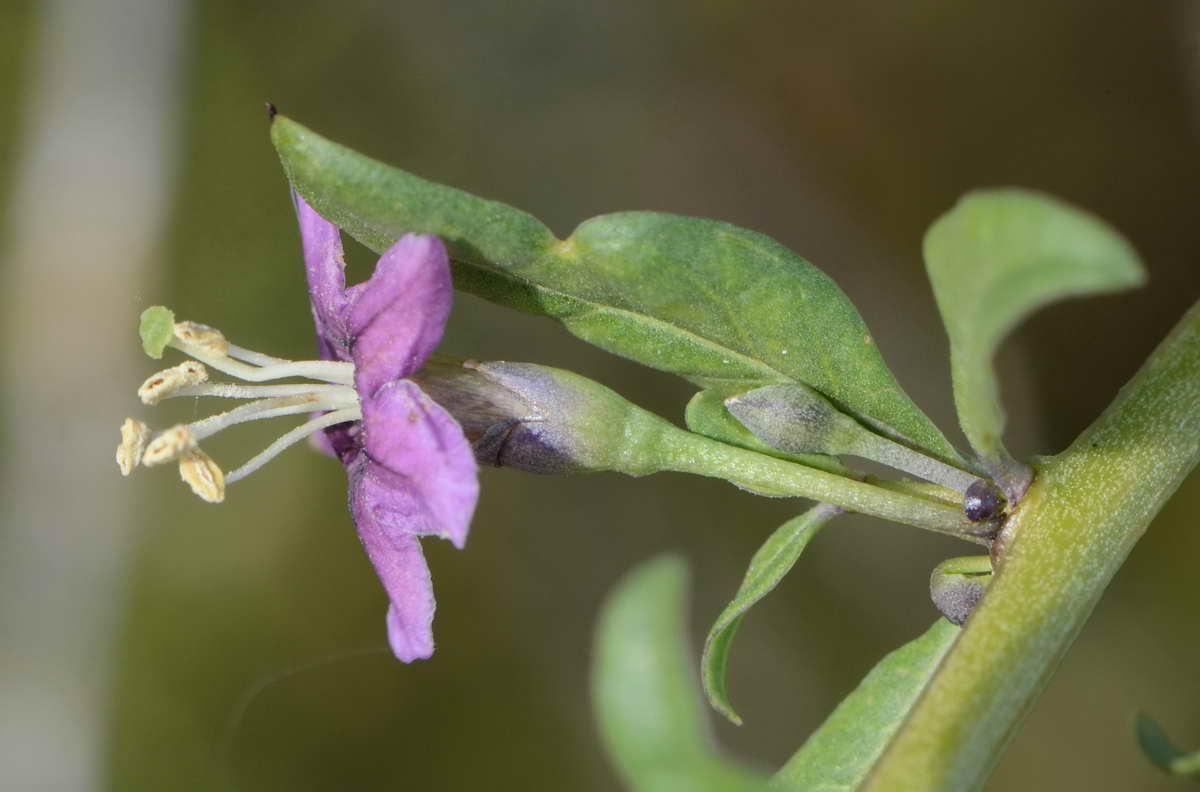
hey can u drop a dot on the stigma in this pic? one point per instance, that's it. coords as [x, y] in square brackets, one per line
[326, 389]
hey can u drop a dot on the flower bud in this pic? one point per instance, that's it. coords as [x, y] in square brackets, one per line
[544, 420]
[983, 501]
[957, 584]
[796, 420]
[707, 414]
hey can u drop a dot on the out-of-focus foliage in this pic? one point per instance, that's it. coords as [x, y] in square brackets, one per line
[651, 717]
[1164, 753]
[839, 755]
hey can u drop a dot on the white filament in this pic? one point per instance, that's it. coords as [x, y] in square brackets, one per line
[323, 370]
[229, 390]
[267, 408]
[293, 437]
[332, 394]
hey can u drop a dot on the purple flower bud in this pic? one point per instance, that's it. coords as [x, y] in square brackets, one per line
[983, 501]
[957, 584]
[567, 424]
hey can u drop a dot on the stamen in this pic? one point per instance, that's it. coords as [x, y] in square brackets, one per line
[169, 445]
[267, 408]
[134, 434]
[202, 474]
[333, 394]
[167, 382]
[228, 390]
[293, 437]
[209, 339]
[250, 356]
[322, 370]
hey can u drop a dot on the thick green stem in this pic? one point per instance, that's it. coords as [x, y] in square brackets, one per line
[686, 452]
[1084, 512]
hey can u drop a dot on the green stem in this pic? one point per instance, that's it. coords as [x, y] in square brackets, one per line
[686, 452]
[1078, 521]
[889, 452]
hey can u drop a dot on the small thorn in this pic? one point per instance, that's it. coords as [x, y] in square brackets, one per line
[272, 111]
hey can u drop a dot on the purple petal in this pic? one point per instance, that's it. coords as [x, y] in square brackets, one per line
[422, 479]
[397, 317]
[401, 567]
[325, 267]
[339, 441]
[321, 442]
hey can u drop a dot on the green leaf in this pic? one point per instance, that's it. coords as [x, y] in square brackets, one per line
[1161, 751]
[995, 257]
[157, 328]
[840, 754]
[706, 414]
[709, 301]
[650, 715]
[770, 564]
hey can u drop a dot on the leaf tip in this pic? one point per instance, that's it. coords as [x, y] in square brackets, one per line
[272, 111]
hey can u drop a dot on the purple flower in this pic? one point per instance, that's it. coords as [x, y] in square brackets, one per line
[411, 469]
[410, 460]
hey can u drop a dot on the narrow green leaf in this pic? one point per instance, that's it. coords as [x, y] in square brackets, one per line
[156, 328]
[1161, 751]
[994, 258]
[709, 301]
[706, 414]
[768, 567]
[643, 688]
[840, 754]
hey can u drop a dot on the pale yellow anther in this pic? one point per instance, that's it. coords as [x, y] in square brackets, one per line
[134, 434]
[169, 445]
[169, 381]
[209, 340]
[202, 474]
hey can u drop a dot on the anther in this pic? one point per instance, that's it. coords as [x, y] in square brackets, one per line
[169, 381]
[202, 474]
[169, 445]
[134, 434]
[208, 340]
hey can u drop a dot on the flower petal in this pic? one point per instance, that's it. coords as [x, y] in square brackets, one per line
[401, 567]
[397, 317]
[339, 441]
[422, 479]
[325, 266]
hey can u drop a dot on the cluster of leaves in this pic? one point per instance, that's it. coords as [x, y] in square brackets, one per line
[731, 310]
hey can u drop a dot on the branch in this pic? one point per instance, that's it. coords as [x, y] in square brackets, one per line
[1076, 525]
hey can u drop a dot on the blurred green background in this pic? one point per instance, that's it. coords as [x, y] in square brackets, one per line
[242, 646]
